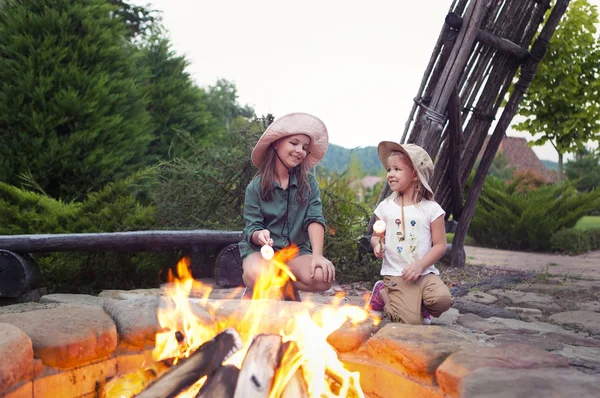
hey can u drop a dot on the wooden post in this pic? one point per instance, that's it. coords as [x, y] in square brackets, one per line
[457, 254]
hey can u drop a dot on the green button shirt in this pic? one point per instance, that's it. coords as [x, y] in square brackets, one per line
[260, 214]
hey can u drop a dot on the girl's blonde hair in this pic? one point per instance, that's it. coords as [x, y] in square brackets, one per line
[419, 192]
[267, 173]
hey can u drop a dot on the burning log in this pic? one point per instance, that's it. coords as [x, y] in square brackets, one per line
[203, 362]
[221, 384]
[296, 387]
[258, 369]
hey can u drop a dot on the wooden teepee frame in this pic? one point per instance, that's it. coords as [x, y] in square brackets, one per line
[482, 46]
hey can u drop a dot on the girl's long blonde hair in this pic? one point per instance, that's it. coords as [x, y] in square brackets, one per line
[266, 172]
[419, 192]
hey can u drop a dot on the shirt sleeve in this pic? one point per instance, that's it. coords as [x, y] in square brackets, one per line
[252, 214]
[435, 211]
[379, 210]
[315, 206]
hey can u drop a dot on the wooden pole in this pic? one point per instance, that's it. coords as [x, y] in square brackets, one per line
[457, 254]
[135, 241]
[221, 384]
[498, 43]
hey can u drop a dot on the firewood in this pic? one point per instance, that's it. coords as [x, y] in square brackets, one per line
[221, 384]
[259, 366]
[204, 361]
[296, 387]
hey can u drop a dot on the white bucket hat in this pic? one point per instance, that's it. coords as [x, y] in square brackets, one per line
[292, 124]
[420, 159]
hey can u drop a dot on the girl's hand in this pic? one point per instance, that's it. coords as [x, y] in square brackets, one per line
[325, 265]
[379, 249]
[264, 238]
[412, 272]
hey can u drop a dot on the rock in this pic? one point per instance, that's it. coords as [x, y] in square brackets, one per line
[417, 351]
[559, 382]
[483, 310]
[543, 302]
[585, 354]
[537, 340]
[530, 313]
[534, 327]
[74, 299]
[592, 306]
[16, 352]
[573, 339]
[137, 322]
[67, 337]
[130, 294]
[447, 318]
[26, 307]
[451, 373]
[582, 320]
[489, 326]
[481, 297]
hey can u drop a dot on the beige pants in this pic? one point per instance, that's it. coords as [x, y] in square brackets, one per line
[406, 298]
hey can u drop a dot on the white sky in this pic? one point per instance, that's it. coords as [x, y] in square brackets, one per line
[357, 65]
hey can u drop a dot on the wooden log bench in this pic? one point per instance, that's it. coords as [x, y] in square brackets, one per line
[19, 273]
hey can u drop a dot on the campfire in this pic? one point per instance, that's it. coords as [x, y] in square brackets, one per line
[237, 357]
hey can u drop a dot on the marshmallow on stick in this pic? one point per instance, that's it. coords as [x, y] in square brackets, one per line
[379, 226]
[267, 252]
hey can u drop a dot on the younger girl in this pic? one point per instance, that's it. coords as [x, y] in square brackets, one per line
[414, 239]
[283, 204]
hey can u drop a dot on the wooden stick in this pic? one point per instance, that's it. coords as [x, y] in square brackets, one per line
[489, 39]
[221, 384]
[203, 362]
[258, 369]
[136, 241]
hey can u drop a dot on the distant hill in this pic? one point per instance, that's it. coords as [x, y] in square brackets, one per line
[550, 164]
[337, 159]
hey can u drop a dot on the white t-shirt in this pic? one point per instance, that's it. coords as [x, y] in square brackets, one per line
[417, 242]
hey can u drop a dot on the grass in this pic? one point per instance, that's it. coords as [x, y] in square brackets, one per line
[588, 222]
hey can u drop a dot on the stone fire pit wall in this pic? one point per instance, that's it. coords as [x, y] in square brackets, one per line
[69, 345]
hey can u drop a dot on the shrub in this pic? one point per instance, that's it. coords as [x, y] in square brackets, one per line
[575, 241]
[347, 220]
[115, 208]
[508, 220]
[207, 190]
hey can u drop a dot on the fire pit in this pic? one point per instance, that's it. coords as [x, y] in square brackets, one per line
[240, 357]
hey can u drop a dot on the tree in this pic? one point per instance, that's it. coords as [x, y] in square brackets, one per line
[223, 104]
[586, 170]
[72, 114]
[563, 102]
[139, 21]
[176, 104]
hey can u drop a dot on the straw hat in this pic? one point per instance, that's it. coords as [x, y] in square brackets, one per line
[292, 124]
[420, 159]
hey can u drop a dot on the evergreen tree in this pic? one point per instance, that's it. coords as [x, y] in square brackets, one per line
[176, 104]
[72, 114]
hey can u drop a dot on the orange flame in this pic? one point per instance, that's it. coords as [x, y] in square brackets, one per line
[317, 361]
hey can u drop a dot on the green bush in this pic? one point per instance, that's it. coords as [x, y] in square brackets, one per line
[207, 190]
[506, 219]
[575, 241]
[346, 221]
[115, 208]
